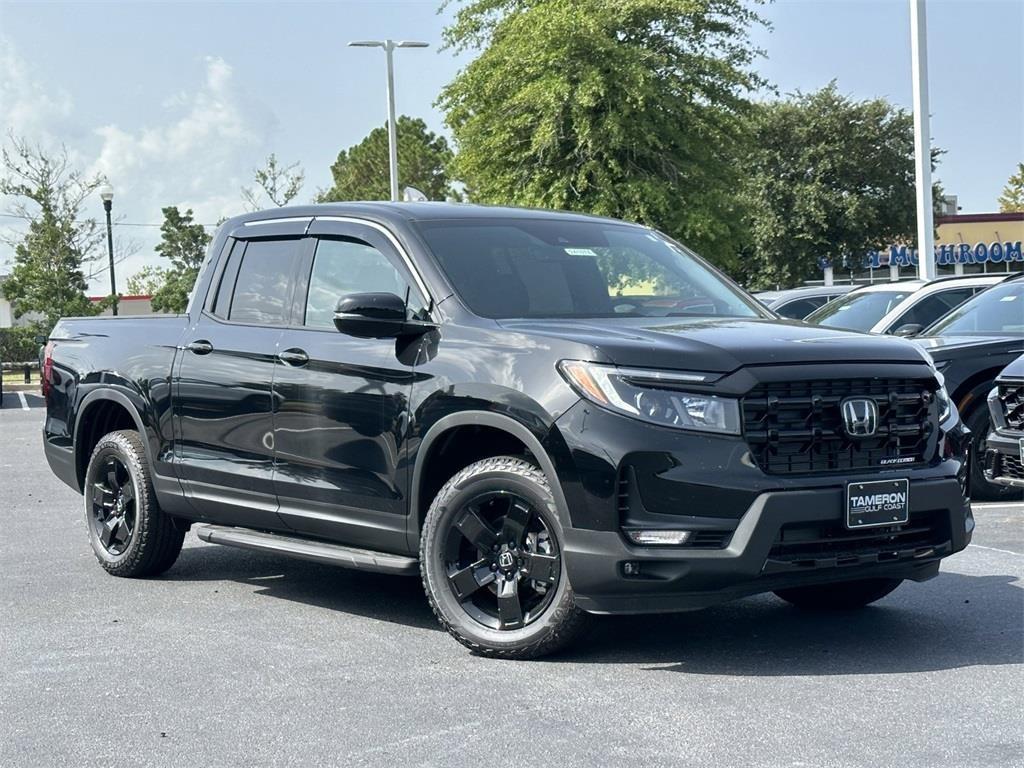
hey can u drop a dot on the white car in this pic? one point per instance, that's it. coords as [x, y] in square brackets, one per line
[798, 303]
[905, 308]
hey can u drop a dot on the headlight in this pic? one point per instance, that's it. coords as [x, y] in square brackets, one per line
[945, 405]
[656, 397]
[942, 398]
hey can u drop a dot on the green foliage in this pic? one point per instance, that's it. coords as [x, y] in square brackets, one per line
[825, 176]
[1012, 199]
[147, 281]
[18, 345]
[361, 172]
[183, 243]
[633, 109]
[48, 275]
[279, 183]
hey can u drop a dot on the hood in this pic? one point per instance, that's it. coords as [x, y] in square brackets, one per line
[1014, 370]
[942, 347]
[720, 345]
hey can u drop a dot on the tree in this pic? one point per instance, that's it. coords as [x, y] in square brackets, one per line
[825, 177]
[361, 172]
[280, 183]
[147, 281]
[1012, 199]
[48, 276]
[632, 109]
[183, 243]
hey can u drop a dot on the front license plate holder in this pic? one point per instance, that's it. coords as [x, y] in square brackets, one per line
[877, 503]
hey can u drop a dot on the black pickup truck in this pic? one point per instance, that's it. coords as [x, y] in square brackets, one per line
[543, 415]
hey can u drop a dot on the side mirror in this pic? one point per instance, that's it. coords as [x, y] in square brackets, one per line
[371, 315]
[910, 329]
[40, 340]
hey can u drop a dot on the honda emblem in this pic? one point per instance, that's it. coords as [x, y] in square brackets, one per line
[860, 416]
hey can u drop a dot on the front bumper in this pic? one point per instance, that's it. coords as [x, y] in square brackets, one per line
[758, 557]
[752, 532]
[1004, 459]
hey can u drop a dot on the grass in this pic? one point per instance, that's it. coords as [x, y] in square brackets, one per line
[18, 377]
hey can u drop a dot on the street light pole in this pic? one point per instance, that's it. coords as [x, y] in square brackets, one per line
[389, 47]
[922, 142]
[107, 195]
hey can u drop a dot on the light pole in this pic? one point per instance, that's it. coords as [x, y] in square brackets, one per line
[922, 141]
[107, 196]
[389, 47]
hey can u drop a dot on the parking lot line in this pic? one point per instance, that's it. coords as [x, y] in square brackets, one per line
[24, 402]
[994, 549]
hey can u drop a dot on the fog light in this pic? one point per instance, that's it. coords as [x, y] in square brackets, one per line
[631, 568]
[652, 537]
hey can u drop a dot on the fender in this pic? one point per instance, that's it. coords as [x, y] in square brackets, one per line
[167, 488]
[484, 419]
[121, 399]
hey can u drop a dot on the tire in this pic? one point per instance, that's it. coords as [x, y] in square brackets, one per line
[979, 422]
[128, 532]
[844, 596]
[477, 563]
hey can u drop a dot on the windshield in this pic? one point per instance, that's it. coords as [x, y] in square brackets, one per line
[857, 311]
[523, 268]
[999, 310]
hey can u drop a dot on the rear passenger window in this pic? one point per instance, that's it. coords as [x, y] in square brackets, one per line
[801, 308]
[263, 286]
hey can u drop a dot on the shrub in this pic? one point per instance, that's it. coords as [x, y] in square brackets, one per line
[18, 345]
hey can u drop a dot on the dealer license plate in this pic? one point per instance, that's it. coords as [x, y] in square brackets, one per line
[881, 502]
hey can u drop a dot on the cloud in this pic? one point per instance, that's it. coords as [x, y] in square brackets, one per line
[201, 156]
[196, 150]
[29, 108]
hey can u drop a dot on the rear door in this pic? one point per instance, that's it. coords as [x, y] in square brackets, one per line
[225, 446]
[341, 404]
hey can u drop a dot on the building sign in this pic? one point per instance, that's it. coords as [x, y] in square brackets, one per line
[948, 253]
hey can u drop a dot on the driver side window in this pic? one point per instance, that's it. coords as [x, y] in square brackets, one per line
[342, 267]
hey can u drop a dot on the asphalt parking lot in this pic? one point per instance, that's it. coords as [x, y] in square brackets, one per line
[236, 658]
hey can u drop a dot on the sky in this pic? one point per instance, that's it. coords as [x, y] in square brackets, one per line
[177, 103]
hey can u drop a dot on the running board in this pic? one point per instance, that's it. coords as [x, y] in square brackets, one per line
[308, 549]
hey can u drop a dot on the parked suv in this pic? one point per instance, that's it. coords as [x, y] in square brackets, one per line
[1004, 454]
[905, 308]
[458, 392]
[798, 303]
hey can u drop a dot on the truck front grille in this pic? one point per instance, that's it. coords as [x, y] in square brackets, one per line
[797, 427]
[830, 544]
[1008, 466]
[1011, 396]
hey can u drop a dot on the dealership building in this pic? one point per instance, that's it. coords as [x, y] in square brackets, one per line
[970, 243]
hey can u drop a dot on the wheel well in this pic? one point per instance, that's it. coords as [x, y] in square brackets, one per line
[100, 418]
[457, 448]
[967, 397]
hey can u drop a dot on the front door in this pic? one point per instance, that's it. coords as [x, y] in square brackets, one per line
[224, 449]
[341, 403]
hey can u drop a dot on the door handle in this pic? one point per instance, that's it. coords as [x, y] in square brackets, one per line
[293, 357]
[200, 347]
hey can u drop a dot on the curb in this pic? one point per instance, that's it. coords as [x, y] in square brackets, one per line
[31, 389]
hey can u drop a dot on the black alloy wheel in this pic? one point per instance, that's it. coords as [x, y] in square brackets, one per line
[492, 561]
[114, 512]
[129, 533]
[501, 560]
